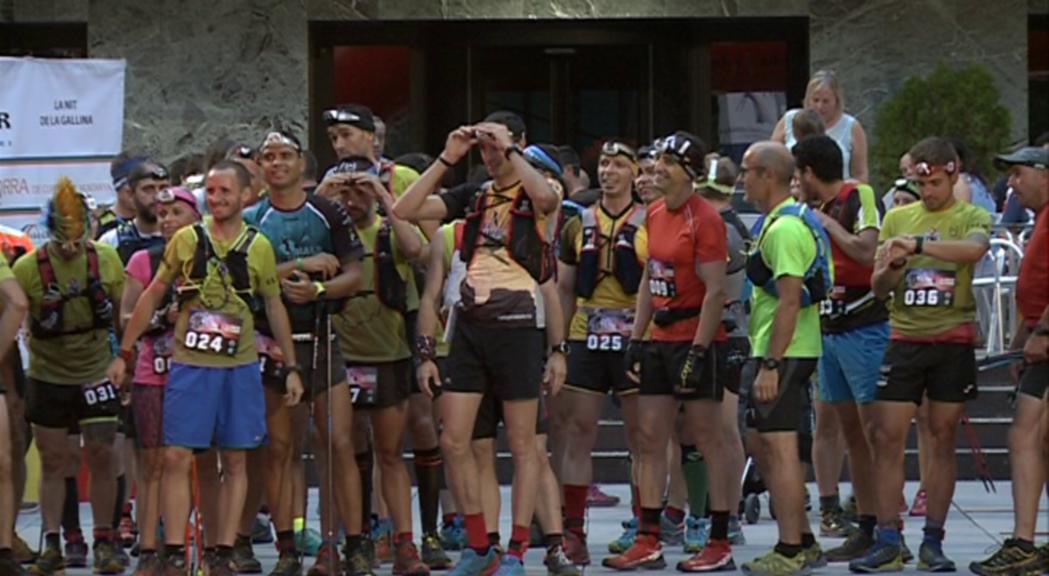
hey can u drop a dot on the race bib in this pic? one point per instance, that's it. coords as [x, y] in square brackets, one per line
[163, 347]
[834, 306]
[608, 330]
[271, 359]
[661, 279]
[213, 332]
[363, 381]
[100, 393]
[929, 288]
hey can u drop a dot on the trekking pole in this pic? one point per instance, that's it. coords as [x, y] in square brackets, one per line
[198, 523]
[331, 452]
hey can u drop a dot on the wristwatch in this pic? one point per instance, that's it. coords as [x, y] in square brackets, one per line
[126, 355]
[561, 347]
[770, 364]
[919, 242]
[289, 368]
[514, 149]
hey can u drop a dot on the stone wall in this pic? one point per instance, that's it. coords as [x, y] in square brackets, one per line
[201, 69]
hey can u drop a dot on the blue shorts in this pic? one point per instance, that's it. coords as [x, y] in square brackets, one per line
[223, 407]
[849, 368]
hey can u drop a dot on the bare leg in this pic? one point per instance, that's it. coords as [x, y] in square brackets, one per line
[1027, 463]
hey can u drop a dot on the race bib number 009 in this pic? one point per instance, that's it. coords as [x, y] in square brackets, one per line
[100, 393]
[212, 332]
[661, 279]
[608, 330]
[929, 288]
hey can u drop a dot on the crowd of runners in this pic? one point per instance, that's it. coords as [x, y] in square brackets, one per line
[193, 341]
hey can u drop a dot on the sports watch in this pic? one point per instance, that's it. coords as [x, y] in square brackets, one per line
[561, 347]
[771, 364]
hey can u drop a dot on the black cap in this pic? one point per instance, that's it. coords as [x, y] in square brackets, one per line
[1035, 157]
[512, 121]
[357, 115]
[686, 148]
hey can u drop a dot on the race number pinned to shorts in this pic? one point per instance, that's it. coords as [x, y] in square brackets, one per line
[271, 359]
[363, 381]
[608, 330]
[661, 279]
[929, 288]
[100, 393]
[834, 306]
[213, 332]
[163, 347]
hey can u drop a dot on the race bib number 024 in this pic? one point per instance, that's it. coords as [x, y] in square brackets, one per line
[608, 330]
[929, 288]
[213, 332]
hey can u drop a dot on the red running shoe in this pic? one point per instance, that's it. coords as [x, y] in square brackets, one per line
[595, 498]
[645, 554]
[716, 556]
[575, 548]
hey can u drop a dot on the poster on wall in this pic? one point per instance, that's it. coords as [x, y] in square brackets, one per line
[57, 118]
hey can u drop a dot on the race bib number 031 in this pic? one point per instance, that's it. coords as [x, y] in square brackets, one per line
[608, 330]
[927, 287]
[100, 393]
[213, 332]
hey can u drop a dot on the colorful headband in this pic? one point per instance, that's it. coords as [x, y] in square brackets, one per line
[927, 169]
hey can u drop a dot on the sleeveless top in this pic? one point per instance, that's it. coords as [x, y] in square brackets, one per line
[841, 132]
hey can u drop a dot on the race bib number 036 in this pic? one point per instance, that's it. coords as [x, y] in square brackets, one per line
[927, 287]
[213, 332]
[608, 330]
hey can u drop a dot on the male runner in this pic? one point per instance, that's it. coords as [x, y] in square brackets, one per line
[74, 286]
[318, 255]
[214, 392]
[854, 323]
[14, 305]
[506, 246]
[790, 270]
[926, 261]
[1028, 170]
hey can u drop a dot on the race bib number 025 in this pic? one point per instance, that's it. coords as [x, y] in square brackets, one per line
[927, 287]
[608, 330]
[213, 332]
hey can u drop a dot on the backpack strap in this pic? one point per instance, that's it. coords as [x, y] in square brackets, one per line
[43, 263]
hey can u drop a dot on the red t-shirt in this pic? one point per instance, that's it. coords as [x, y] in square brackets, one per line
[1032, 288]
[678, 241]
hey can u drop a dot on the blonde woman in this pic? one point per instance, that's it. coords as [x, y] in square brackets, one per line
[824, 95]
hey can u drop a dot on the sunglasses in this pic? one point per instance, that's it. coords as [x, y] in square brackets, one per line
[927, 169]
[613, 148]
[336, 116]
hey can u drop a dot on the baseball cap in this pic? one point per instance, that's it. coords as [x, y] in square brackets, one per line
[512, 121]
[353, 164]
[1035, 157]
[119, 173]
[353, 114]
[687, 149]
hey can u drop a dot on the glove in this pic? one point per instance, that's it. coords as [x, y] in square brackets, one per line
[632, 359]
[691, 375]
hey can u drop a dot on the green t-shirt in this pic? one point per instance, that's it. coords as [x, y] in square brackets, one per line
[217, 296]
[5, 271]
[402, 178]
[74, 359]
[934, 296]
[788, 249]
[368, 330]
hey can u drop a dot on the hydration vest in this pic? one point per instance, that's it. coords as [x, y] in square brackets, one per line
[524, 242]
[818, 277]
[625, 267]
[235, 263]
[390, 288]
[848, 272]
[129, 241]
[159, 323]
[49, 323]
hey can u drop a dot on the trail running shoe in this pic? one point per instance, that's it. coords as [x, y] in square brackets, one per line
[855, 546]
[49, 563]
[1010, 559]
[626, 539]
[735, 532]
[814, 556]
[833, 523]
[881, 557]
[106, 560]
[645, 553]
[919, 506]
[510, 566]
[11, 567]
[127, 532]
[453, 534]
[21, 550]
[406, 561]
[473, 564]
[670, 533]
[287, 565]
[244, 560]
[261, 533]
[932, 559]
[597, 498]
[308, 542]
[775, 564]
[76, 552]
[576, 548]
[697, 532]
[715, 556]
[327, 558]
[147, 565]
[433, 553]
[558, 564]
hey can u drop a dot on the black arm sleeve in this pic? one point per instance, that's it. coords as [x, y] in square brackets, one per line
[345, 242]
[457, 200]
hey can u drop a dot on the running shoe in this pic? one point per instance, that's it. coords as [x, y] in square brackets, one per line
[453, 534]
[11, 567]
[814, 556]
[358, 563]
[576, 548]
[261, 532]
[76, 552]
[21, 550]
[932, 559]
[406, 561]
[735, 532]
[127, 532]
[833, 523]
[558, 564]
[775, 564]
[919, 506]
[433, 553]
[697, 532]
[287, 565]
[510, 566]
[244, 560]
[106, 560]
[50, 562]
[148, 564]
[1012, 558]
[176, 566]
[715, 556]
[881, 557]
[626, 539]
[670, 533]
[327, 558]
[597, 498]
[855, 546]
[308, 542]
[645, 553]
[473, 564]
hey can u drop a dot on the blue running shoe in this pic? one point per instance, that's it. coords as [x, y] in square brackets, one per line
[931, 558]
[473, 564]
[626, 539]
[881, 557]
[697, 532]
[453, 535]
[510, 566]
[735, 532]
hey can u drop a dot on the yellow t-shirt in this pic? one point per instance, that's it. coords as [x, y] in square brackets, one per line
[608, 294]
[5, 271]
[217, 296]
[80, 358]
[368, 330]
[402, 178]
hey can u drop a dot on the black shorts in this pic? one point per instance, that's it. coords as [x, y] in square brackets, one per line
[943, 372]
[490, 414]
[71, 406]
[1034, 380]
[505, 361]
[788, 412]
[313, 382]
[379, 385]
[661, 369]
[597, 372]
[126, 425]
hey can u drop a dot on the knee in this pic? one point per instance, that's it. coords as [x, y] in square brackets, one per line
[578, 431]
[279, 450]
[522, 445]
[942, 436]
[176, 460]
[389, 456]
[453, 444]
[99, 454]
[649, 441]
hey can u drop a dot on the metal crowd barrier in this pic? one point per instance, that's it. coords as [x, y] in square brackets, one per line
[994, 289]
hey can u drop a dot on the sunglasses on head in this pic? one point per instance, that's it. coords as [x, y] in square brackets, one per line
[927, 169]
[676, 149]
[278, 139]
[613, 148]
[336, 116]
